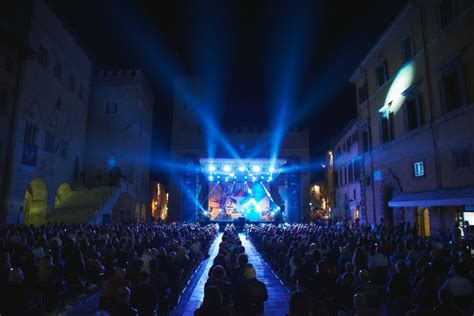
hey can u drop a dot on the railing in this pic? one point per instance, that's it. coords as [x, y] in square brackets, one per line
[107, 205]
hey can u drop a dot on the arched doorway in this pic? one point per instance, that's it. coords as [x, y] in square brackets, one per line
[422, 216]
[387, 210]
[355, 213]
[36, 203]
[63, 192]
[123, 209]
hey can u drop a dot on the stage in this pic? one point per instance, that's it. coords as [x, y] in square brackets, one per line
[223, 190]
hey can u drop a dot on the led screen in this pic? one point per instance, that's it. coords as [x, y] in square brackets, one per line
[228, 200]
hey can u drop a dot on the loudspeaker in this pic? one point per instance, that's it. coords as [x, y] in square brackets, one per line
[293, 184]
[189, 193]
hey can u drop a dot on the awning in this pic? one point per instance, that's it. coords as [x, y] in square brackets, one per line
[434, 198]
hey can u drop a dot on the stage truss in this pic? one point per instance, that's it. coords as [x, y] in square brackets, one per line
[241, 169]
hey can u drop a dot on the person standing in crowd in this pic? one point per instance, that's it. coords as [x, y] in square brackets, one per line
[144, 297]
[251, 294]
[17, 299]
[116, 282]
[219, 279]
[212, 304]
[122, 307]
[298, 305]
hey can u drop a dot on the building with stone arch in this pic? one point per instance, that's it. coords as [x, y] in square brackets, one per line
[49, 122]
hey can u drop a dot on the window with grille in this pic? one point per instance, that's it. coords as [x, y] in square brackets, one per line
[413, 113]
[49, 142]
[407, 49]
[111, 107]
[350, 171]
[365, 140]
[30, 133]
[451, 90]
[386, 127]
[381, 74]
[363, 93]
[357, 165]
[419, 168]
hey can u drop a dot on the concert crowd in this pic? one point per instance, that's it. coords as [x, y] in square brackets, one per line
[140, 268]
[343, 268]
[334, 268]
[232, 287]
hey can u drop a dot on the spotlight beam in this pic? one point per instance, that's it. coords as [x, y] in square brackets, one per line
[139, 32]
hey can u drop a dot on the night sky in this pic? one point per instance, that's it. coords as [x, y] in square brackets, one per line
[239, 48]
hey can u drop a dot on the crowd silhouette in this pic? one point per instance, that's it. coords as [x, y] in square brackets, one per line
[232, 287]
[332, 267]
[344, 268]
[142, 268]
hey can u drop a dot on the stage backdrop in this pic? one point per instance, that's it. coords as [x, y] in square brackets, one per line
[229, 200]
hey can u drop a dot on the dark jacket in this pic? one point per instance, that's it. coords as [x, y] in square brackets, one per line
[250, 297]
[17, 300]
[215, 310]
[224, 287]
[121, 309]
[145, 299]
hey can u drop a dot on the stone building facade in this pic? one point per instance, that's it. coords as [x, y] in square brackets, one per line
[346, 164]
[50, 118]
[13, 50]
[119, 130]
[415, 91]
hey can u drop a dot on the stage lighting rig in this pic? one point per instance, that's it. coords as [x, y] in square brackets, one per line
[240, 169]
